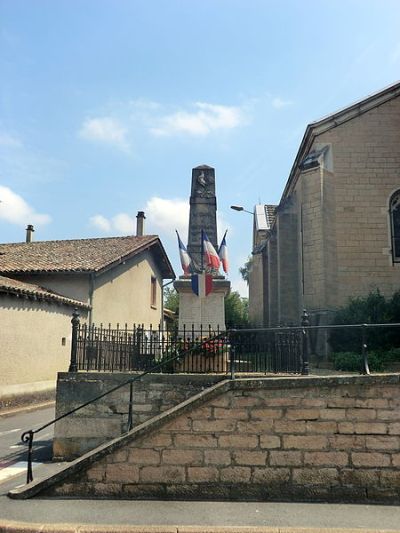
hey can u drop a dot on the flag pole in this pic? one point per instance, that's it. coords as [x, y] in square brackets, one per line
[219, 249]
[202, 250]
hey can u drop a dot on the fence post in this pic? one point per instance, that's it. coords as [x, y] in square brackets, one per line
[365, 369]
[130, 418]
[73, 367]
[232, 353]
[305, 322]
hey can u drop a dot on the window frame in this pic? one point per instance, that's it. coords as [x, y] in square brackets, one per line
[153, 292]
[394, 203]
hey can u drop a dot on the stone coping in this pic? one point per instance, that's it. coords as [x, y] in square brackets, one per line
[91, 457]
[153, 377]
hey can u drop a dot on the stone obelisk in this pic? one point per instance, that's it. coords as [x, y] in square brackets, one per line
[202, 311]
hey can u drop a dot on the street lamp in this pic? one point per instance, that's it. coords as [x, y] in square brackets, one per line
[240, 208]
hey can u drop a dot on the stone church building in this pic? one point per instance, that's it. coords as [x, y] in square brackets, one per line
[336, 231]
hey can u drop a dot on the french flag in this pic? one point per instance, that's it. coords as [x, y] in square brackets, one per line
[202, 284]
[223, 254]
[186, 261]
[210, 256]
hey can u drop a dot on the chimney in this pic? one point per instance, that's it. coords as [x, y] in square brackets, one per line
[140, 218]
[29, 233]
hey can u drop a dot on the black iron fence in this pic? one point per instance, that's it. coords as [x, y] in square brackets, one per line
[351, 347]
[193, 351]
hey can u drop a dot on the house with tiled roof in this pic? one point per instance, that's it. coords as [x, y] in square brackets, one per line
[336, 231]
[114, 280]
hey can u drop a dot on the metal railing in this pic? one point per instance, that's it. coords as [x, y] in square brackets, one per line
[250, 350]
[138, 349]
[28, 436]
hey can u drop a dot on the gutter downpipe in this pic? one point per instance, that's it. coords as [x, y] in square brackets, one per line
[91, 290]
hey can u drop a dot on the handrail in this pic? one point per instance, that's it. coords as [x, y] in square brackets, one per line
[304, 328]
[27, 436]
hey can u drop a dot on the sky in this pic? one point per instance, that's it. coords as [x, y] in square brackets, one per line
[107, 105]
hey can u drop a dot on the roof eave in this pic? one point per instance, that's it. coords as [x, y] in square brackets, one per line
[332, 121]
[168, 272]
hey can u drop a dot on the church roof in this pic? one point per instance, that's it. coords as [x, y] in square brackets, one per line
[264, 216]
[336, 119]
[79, 255]
[31, 291]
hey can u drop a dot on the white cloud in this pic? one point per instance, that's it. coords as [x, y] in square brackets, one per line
[105, 130]
[123, 223]
[15, 210]
[206, 118]
[101, 223]
[279, 103]
[168, 215]
[163, 216]
[9, 140]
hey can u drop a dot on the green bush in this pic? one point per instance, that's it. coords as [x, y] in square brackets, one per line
[373, 309]
[353, 362]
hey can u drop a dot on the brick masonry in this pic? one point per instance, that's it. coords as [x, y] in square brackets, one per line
[332, 226]
[315, 439]
[108, 417]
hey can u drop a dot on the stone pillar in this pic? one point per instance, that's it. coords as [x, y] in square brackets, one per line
[202, 311]
[203, 211]
[288, 263]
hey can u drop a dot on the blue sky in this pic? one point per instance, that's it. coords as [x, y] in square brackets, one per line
[106, 105]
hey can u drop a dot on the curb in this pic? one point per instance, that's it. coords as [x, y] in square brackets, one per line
[11, 411]
[24, 527]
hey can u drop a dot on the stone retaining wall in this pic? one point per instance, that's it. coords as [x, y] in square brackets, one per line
[312, 439]
[107, 418]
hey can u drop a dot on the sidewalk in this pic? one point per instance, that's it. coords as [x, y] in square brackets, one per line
[69, 515]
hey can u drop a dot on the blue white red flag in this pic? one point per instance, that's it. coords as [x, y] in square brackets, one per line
[223, 254]
[186, 261]
[210, 256]
[202, 284]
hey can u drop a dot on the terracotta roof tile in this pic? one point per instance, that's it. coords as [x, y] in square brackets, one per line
[80, 255]
[20, 288]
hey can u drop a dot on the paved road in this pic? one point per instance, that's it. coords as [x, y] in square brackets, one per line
[13, 451]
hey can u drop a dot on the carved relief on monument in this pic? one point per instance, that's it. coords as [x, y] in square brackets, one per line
[203, 189]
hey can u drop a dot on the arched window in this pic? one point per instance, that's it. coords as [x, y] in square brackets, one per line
[394, 210]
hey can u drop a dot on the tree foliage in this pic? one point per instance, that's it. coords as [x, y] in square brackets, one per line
[236, 310]
[171, 299]
[236, 307]
[372, 309]
[245, 269]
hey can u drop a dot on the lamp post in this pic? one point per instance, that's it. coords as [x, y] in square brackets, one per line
[241, 208]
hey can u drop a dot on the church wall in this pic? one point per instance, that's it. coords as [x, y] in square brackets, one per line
[312, 241]
[287, 252]
[366, 171]
[272, 269]
[256, 291]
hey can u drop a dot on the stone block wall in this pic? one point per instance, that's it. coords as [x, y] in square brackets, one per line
[107, 418]
[313, 439]
[366, 159]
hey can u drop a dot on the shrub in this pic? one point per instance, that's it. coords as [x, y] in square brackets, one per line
[373, 309]
[353, 362]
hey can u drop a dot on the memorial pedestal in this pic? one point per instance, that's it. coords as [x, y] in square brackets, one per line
[202, 312]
